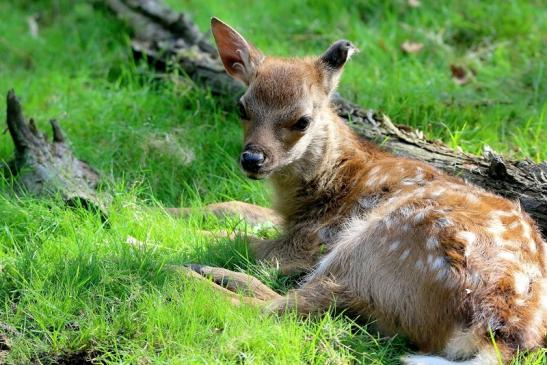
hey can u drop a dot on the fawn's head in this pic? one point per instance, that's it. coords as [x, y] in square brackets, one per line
[284, 110]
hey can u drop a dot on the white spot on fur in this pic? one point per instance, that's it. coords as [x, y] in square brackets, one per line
[443, 222]
[388, 222]
[532, 270]
[438, 192]
[369, 201]
[514, 225]
[432, 243]
[438, 263]
[527, 231]
[371, 181]
[405, 254]
[384, 179]
[406, 211]
[495, 226]
[394, 245]
[421, 215]
[419, 265]
[472, 198]
[408, 182]
[501, 213]
[469, 238]
[533, 246]
[508, 256]
[442, 274]
[373, 171]
[522, 283]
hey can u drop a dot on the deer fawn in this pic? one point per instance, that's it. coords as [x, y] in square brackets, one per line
[427, 255]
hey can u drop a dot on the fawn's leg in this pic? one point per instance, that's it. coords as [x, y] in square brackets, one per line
[236, 282]
[314, 297]
[239, 283]
[252, 214]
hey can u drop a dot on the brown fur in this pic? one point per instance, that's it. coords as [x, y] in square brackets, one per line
[427, 255]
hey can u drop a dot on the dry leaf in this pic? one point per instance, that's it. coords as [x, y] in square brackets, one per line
[5, 342]
[414, 3]
[411, 47]
[460, 75]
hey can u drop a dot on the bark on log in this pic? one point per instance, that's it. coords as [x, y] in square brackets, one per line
[166, 37]
[42, 168]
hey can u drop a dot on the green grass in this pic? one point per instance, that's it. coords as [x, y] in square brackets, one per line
[71, 285]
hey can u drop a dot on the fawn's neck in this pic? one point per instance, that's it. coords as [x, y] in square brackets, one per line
[321, 178]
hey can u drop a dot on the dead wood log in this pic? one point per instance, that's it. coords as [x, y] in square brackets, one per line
[44, 168]
[166, 37]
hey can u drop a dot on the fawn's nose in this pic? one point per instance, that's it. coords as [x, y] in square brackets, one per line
[252, 160]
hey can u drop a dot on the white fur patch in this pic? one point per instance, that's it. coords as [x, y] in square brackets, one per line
[442, 274]
[495, 226]
[371, 181]
[502, 213]
[419, 265]
[432, 243]
[438, 263]
[443, 222]
[467, 236]
[383, 179]
[484, 357]
[527, 231]
[521, 282]
[472, 198]
[514, 225]
[404, 255]
[533, 246]
[508, 256]
[369, 201]
[373, 171]
[421, 215]
[438, 192]
[406, 211]
[394, 245]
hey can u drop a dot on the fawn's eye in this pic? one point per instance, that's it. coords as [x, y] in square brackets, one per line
[241, 110]
[301, 124]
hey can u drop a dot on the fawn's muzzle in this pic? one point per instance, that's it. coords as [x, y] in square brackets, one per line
[252, 160]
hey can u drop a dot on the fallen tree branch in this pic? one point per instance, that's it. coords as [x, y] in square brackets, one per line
[166, 37]
[42, 168]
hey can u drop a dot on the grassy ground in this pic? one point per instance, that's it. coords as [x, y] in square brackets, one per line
[71, 287]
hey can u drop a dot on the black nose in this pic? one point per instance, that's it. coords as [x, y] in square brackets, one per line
[252, 161]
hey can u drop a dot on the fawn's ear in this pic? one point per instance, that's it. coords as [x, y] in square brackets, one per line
[240, 58]
[332, 62]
